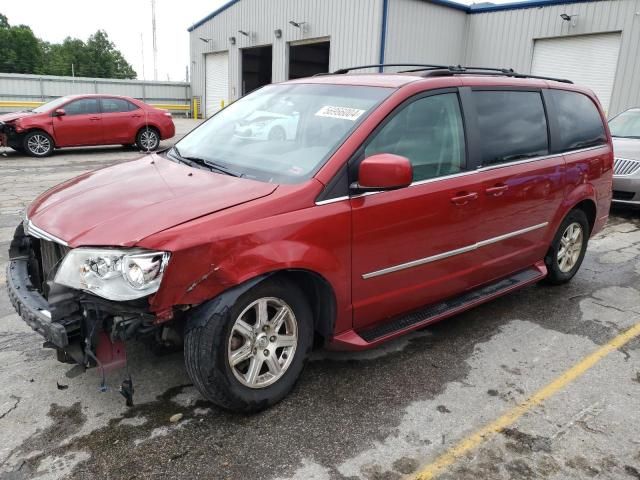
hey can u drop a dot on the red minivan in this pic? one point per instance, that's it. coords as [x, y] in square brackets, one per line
[84, 120]
[395, 200]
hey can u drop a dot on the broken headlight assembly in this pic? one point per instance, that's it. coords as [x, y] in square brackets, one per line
[114, 274]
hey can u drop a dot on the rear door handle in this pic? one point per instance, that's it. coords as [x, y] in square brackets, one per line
[94, 118]
[136, 116]
[462, 198]
[496, 190]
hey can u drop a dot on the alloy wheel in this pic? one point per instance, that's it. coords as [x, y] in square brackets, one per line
[149, 140]
[263, 342]
[570, 247]
[38, 144]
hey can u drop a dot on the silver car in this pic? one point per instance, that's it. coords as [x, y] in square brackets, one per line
[625, 129]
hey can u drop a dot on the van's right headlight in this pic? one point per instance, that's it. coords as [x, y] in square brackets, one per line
[113, 273]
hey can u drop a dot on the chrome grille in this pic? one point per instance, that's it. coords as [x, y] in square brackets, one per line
[623, 166]
[51, 255]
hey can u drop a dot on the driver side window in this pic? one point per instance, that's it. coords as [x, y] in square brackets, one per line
[429, 132]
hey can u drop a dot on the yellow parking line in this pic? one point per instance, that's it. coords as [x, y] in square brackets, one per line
[471, 442]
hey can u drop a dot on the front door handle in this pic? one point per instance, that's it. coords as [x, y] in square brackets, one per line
[497, 190]
[94, 118]
[462, 198]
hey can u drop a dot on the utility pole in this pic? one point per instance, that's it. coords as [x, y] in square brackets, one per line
[155, 46]
[142, 51]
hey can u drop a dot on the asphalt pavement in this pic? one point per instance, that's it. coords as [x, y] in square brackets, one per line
[541, 384]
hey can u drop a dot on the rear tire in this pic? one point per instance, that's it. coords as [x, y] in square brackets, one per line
[568, 248]
[243, 361]
[148, 139]
[38, 144]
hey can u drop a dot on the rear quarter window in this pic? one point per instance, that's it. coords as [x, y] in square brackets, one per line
[579, 122]
[512, 125]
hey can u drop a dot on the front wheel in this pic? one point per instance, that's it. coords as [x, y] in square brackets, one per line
[38, 144]
[569, 246]
[148, 139]
[247, 356]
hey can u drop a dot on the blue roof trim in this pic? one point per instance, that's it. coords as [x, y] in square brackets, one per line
[444, 3]
[212, 14]
[454, 5]
[524, 4]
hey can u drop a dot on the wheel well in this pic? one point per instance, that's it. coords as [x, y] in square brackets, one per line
[33, 130]
[150, 127]
[589, 209]
[321, 299]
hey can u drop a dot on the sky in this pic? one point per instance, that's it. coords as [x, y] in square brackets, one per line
[128, 24]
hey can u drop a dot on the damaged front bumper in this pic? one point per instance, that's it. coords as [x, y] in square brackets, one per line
[31, 306]
[83, 328]
[8, 136]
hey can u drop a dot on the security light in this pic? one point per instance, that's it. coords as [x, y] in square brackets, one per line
[242, 32]
[205, 40]
[569, 18]
[297, 24]
[278, 33]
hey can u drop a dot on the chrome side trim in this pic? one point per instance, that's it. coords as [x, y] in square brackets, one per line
[32, 230]
[332, 200]
[627, 202]
[451, 253]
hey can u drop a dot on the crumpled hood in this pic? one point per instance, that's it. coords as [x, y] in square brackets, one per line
[122, 204]
[9, 117]
[628, 148]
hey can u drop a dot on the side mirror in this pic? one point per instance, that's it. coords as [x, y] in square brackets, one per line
[59, 112]
[384, 171]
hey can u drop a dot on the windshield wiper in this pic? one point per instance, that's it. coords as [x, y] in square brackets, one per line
[636, 137]
[190, 160]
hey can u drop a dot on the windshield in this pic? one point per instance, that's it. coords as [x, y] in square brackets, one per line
[51, 105]
[627, 124]
[281, 133]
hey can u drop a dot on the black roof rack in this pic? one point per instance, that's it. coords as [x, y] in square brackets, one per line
[421, 67]
[444, 70]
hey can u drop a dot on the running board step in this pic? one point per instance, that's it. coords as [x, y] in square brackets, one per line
[449, 307]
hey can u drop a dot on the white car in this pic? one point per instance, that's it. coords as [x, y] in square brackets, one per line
[266, 125]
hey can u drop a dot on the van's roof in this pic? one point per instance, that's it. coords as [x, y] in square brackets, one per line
[397, 80]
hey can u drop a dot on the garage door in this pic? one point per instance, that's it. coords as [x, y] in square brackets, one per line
[588, 60]
[216, 81]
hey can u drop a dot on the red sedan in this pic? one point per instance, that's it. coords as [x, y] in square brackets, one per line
[83, 120]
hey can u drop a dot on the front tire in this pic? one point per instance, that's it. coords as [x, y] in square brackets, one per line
[568, 248]
[247, 356]
[38, 144]
[148, 139]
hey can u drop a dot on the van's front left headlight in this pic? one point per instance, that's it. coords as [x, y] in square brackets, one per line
[113, 273]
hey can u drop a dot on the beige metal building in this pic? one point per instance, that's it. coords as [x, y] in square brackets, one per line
[249, 43]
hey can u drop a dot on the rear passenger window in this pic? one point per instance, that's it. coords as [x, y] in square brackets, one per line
[512, 126]
[579, 121]
[115, 105]
[429, 133]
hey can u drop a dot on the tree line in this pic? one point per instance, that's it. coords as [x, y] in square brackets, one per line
[22, 52]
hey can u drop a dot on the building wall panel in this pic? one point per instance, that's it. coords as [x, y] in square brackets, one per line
[353, 27]
[506, 39]
[423, 32]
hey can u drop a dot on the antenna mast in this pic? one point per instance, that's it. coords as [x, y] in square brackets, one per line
[155, 46]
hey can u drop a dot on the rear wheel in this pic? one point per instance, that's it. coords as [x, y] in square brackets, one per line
[569, 246]
[38, 144]
[148, 139]
[248, 356]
